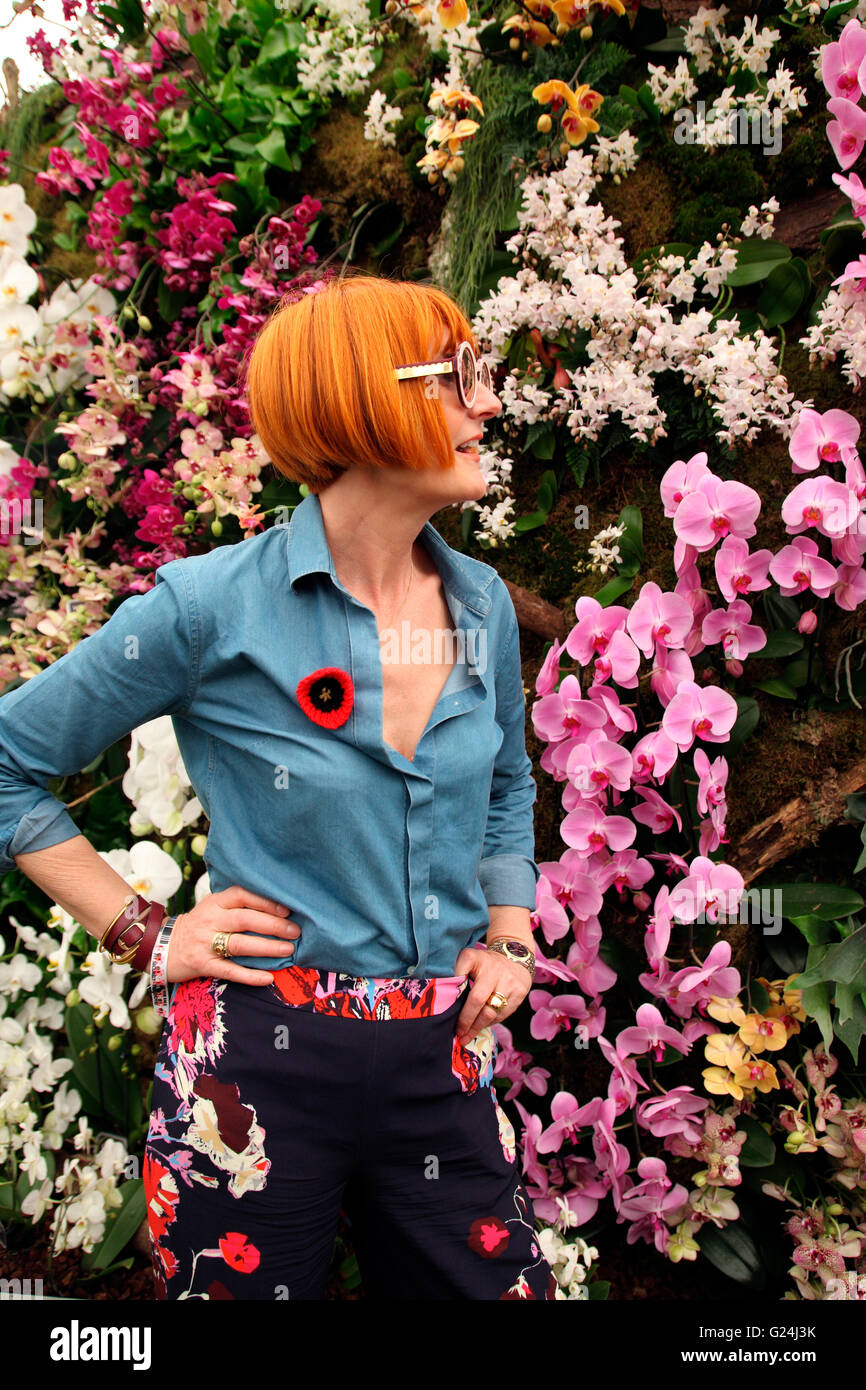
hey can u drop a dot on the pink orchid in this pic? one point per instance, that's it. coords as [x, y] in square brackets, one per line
[569, 1117]
[673, 1113]
[625, 869]
[714, 778]
[712, 830]
[625, 1078]
[798, 567]
[655, 812]
[847, 134]
[653, 756]
[653, 1205]
[669, 669]
[620, 718]
[612, 1158]
[595, 626]
[731, 627]
[619, 662]
[565, 714]
[549, 913]
[593, 975]
[510, 1062]
[690, 987]
[553, 1013]
[841, 60]
[597, 764]
[658, 932]
[657, 617]
[570, 883]
[704, 712]
[850, 588]
[818, 439]
[545, 681]
[853, 188]
[589, 830]
[708, 889]
[739, 571]
[855, 272]
[651, 1034]
[714, 510]
[681, 479]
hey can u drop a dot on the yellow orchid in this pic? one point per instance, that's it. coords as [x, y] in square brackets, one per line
[461, 132]
[755, 1075]
[761, 1033]
[452, 13]
[616, 5]
[720, 1082]
[533, 31]
[725, 1050]
[542, 11]
[726, 1010]
[785, 1016]
[454, 97]
[577, 121]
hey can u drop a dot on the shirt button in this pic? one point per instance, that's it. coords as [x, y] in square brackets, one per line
[412, 969]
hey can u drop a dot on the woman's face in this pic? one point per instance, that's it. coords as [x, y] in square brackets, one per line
[465, 426]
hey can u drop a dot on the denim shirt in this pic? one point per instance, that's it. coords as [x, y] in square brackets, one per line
[387, 864]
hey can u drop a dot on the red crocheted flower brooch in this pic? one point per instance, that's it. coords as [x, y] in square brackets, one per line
[326, 696]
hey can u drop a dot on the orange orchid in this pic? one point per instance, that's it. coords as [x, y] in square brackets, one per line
[452, 13]
[725, 1050]
[761, 1033]
[616, 5]
[755, 1075]
[569, 14]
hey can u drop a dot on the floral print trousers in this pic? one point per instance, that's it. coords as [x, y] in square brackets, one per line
[275, 1106]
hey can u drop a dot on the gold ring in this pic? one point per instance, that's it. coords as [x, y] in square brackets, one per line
[497, 1001]
[220, 944]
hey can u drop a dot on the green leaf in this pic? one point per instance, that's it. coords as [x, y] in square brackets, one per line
[816, 1003]
[402, 78]
[844, 962]
[646, 100]
[169, 302]
[855, 806]
[65, 241]
[759, 1151]
[530, 521]
[851, 1032]
[828, 901]
[674, 43]
[734, 1252]
[120, 1226]
[544, 445]
[815, 929]
[776, 687]
[785, 292]
[779, 644]
[830, 16]
[795, 673]
[628, 95]
[747, 718]
[273, 150]
[277, 44]
[598, 1290]
[755, 259]
[781, 612]
[547, 491]
[613, 589]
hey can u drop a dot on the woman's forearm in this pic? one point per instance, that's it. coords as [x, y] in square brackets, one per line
[512, 922]
[74, 875]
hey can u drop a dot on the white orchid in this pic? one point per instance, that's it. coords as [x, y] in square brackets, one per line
[104, 989]
[157, 783]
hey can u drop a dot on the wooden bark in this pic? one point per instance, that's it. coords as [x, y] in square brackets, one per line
[537, 615]
[797, 824]
[799, 225]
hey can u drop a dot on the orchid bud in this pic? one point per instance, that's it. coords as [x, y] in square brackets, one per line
[586, 32]
[514, 42]
[808, 621]
[734, 667]
[642, 901]
[147, 1020]
[115, 1042]
[543, 123]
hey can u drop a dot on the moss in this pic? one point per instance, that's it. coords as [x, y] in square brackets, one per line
[645, 205]
[806, 159]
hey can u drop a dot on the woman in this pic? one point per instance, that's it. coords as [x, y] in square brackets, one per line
[347, 696]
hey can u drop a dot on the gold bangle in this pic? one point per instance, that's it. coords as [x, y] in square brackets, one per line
[126, 902]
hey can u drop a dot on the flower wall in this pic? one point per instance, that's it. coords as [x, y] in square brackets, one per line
[674, 1079]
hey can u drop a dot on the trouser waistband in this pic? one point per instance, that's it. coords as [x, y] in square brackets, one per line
[376, 998]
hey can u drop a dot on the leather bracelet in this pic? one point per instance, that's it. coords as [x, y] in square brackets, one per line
[129, 939]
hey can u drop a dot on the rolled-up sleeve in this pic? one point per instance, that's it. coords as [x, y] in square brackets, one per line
[142, 663]
[508, 872]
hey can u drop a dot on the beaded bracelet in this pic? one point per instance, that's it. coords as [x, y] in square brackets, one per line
[158, 961]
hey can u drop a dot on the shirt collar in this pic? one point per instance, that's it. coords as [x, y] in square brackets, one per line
[309, 553]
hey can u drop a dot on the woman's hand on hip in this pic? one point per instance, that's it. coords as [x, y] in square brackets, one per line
[490, 973]
[255, 926]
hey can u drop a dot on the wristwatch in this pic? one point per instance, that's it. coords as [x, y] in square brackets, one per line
[514, 950]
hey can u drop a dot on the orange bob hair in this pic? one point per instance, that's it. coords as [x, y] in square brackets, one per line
[320, 383]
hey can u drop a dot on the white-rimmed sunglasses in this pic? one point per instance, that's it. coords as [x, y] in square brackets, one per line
[467, 369]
